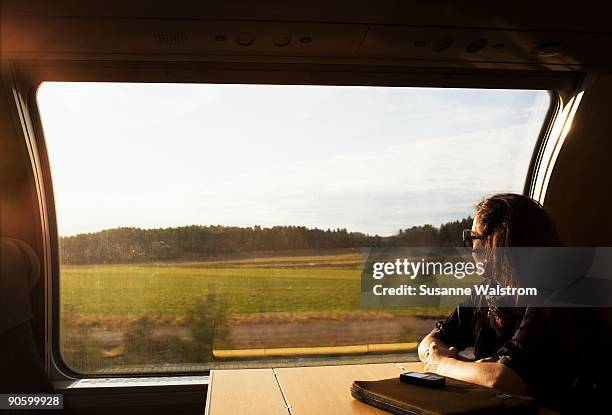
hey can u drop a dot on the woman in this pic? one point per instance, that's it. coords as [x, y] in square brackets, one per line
[521, 350]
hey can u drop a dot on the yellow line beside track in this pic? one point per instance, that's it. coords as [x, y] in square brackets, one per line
[316, 351]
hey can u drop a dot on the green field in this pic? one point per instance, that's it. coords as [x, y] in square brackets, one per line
[160, 290]
[152, 315]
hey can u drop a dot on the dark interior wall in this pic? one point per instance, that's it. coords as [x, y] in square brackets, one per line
[579, 195]
[18, 217]
[591, 16]
[19, 213]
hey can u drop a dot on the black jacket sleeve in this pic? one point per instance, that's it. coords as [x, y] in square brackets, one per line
[458, 328]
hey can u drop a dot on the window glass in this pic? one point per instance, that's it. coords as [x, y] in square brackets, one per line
[206, 225]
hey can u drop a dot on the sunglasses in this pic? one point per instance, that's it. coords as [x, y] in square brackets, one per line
[469, 236]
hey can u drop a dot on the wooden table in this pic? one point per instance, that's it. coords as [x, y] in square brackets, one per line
[308, 390]
[317, 390]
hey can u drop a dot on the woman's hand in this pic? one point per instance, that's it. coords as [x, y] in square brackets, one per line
[446, 361]
[436, 355]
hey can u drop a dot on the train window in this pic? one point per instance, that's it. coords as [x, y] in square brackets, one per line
[210, 225]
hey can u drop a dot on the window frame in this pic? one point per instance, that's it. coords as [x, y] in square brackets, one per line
[27, 76]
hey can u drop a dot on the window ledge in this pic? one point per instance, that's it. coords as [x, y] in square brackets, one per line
[121, 382]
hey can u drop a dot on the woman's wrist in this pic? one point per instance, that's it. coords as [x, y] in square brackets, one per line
[443, 364]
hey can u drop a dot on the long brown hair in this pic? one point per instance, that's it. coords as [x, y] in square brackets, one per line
[509, 220]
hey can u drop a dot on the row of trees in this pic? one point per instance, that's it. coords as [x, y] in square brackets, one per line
[125, 245]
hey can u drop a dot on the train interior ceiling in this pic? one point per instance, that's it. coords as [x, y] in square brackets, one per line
[506, 45]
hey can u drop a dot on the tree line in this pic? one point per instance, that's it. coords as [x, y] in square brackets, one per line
[197, 242]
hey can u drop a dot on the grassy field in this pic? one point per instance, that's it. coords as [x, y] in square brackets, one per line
[117, 317]
[165, 290]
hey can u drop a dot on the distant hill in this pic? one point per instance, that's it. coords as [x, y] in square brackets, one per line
[130, 245]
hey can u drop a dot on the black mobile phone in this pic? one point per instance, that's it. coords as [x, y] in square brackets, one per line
[430, 380]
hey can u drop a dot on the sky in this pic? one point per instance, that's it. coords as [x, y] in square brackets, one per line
[368, 159]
